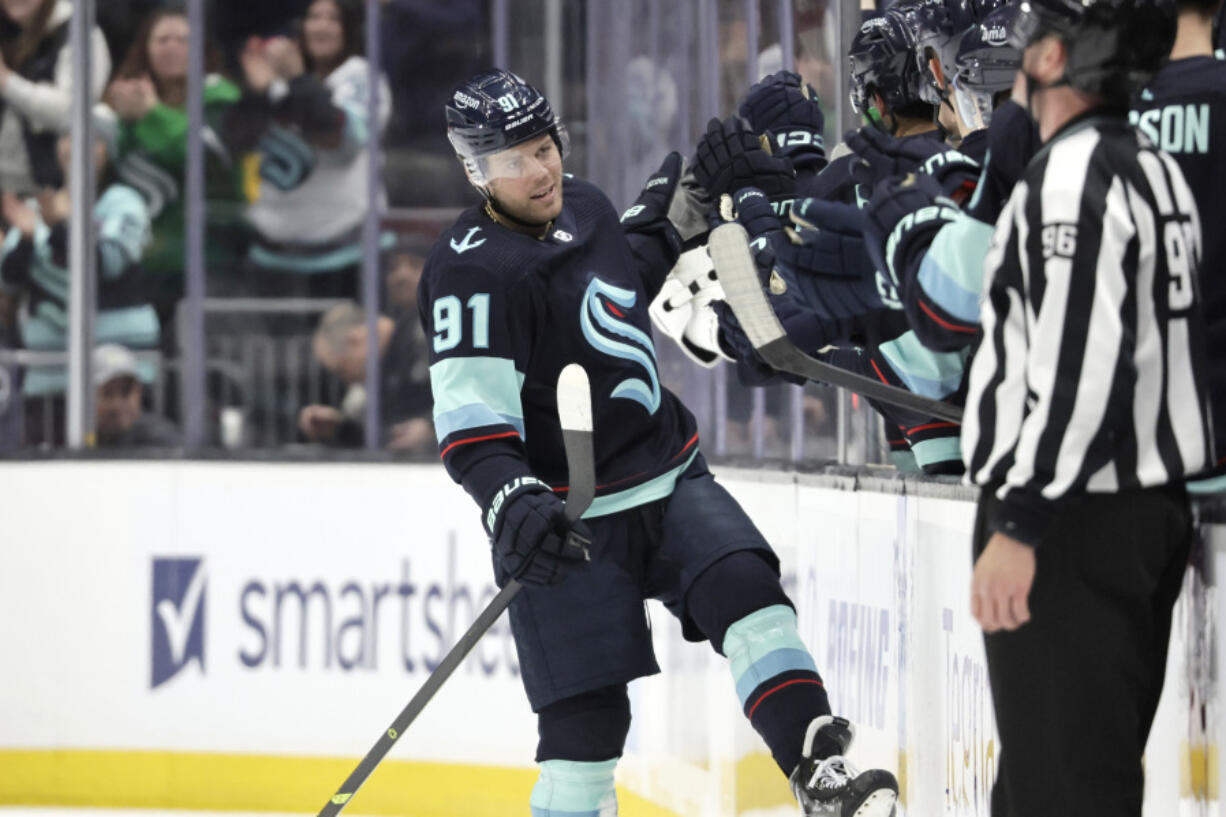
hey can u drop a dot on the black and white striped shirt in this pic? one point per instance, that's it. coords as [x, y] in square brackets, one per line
[1089, 376]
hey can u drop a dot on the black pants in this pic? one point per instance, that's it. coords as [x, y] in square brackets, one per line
[1075, 689]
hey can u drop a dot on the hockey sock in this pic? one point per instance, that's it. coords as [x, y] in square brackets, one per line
[776, 680]
[568, 788]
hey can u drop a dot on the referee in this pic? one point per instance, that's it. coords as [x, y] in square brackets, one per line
[1086, 410]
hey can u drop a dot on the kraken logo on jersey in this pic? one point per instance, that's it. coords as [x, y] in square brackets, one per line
[601, 320]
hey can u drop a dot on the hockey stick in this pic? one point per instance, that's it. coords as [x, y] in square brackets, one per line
[575, 413]
[735, 267]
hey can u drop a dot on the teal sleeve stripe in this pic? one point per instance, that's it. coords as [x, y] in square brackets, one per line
[656, 488]
[904, 461]
[1212, 485]
[476, 415]
[923, 371]
[951, 274]
[754, 642]
[461, 383]
[770, 665]
[568, 788]
[940, 449]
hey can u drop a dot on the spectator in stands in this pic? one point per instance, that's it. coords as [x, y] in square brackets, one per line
[305, 113]
[149, 95]
[404, 397]
[403, 274]
[34, 259]
[36, 90]
[120, 421]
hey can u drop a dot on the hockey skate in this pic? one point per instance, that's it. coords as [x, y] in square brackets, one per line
[826, 785]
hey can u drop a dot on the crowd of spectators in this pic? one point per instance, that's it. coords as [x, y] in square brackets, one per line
[287, 140]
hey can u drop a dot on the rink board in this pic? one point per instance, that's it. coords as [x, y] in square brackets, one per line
[234, 636]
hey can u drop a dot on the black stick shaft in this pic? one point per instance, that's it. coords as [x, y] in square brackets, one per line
[436, 680]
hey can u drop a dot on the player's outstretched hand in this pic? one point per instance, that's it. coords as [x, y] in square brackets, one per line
[826, 262]
[786, 109]
[882, 156]
[903, 216]
[730, 157]
[532, 539]
[672, 195]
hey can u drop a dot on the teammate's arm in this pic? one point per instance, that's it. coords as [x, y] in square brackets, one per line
[671, 210]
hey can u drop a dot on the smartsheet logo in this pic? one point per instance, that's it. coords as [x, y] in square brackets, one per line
[177, 616]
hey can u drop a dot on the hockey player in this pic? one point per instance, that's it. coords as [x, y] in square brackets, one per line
[1086, 409]
[885, 79]
[933, 250]
[1183, 111]
[540, 275]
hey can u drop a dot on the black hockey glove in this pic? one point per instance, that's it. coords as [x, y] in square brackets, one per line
[730, 157]
[786, 109]
[825, 260]
[901, 221]
[805, 327]
[533, 541]
[881, 156]
[673, 194]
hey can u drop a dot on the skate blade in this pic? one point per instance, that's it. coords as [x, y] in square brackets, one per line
[878, 804]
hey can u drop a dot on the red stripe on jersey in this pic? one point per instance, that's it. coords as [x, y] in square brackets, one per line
[478, 440]
[952, 327]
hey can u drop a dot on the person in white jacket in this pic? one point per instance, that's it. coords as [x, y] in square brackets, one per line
[305, 113]
[36, 90]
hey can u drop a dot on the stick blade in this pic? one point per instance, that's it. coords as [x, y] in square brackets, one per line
[575, 415]
[738, 274]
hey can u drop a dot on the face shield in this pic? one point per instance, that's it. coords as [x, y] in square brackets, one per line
[523, 159]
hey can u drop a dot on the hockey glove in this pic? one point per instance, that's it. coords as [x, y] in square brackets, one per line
[682, 309]
[786, 109]
[672, 196]
[533, 541]
[901, 221]
[825, 262]
[730, 157]
[882, 156]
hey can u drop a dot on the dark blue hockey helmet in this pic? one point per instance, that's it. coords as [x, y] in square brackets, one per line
[882, 61]
[985, 65]
[1114, 47]
[940, 26]
[496, 110]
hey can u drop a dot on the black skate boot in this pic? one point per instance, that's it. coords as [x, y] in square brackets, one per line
[828, 786]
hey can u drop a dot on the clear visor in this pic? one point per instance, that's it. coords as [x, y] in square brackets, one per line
[537, 156]
[974, 105]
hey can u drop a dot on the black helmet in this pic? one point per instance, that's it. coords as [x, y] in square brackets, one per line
[882, 60]
[1114, 46]
[986, 64]
[940, 26]
[496, 110]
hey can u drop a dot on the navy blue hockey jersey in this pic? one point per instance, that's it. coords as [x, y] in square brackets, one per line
[891, 352]
[505, 312]
[1183, 111]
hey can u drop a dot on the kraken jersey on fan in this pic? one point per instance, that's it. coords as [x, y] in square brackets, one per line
[312, 195]
[505, 312]
[1183, 111]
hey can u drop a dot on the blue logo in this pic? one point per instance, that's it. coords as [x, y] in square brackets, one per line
[601, 319]
[177, 616]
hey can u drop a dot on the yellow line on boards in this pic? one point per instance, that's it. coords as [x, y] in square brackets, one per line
[223, 782]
